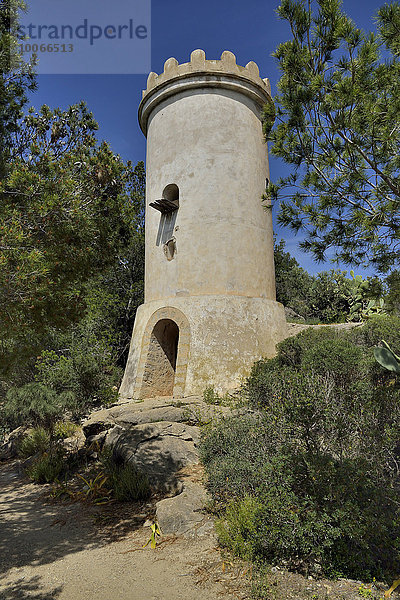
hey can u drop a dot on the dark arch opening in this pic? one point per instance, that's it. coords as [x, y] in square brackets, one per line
[171, 193]
[159, 371]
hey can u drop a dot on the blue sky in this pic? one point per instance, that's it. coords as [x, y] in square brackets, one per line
[248, 28]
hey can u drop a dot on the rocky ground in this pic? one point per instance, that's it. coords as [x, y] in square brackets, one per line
[160, 437]
[69, 550]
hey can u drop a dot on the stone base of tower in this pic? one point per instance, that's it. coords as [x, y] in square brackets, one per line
[182, 345]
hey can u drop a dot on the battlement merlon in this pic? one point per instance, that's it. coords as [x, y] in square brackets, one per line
[201, 73]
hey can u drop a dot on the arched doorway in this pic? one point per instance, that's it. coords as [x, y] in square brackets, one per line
[151, 346]
[160, 367]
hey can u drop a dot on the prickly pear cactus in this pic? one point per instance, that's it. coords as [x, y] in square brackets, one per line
[387, 358]
[362, 305]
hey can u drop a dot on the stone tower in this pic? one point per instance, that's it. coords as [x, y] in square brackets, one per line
[210, 308]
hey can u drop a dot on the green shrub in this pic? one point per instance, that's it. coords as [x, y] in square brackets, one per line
[376, 329]
[293, 283]
[36, 440]
[321, 350]
[86, 372]
[329, 296]
[239, 529]
[35, 404]
[65, 429]
[392, 297]
[47, 468]
[304, 509]
[309, 479]
[126, 482]
[39, 440]
[264, 585]
[233, 466]
[129, 484]
[210, 396]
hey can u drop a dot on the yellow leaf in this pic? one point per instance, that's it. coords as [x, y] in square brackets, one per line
[395, 583]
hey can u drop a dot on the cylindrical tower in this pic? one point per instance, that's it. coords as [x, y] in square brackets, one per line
[210, 307]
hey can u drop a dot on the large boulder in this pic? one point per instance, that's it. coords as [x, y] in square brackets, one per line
[184, 514]
[150, 410]
[12, 441]
[159, 437]
[157, 449]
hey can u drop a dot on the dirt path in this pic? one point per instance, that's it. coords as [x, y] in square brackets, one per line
[52, 551]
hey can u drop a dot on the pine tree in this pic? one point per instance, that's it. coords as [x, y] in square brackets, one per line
[71, 241]
[16, 77]
[65, 212]
[338, 126]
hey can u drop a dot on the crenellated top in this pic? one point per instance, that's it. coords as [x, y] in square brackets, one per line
[198, 63]
[201, 74]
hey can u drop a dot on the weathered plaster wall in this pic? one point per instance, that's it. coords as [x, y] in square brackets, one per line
[222, 337]
[210, 144]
